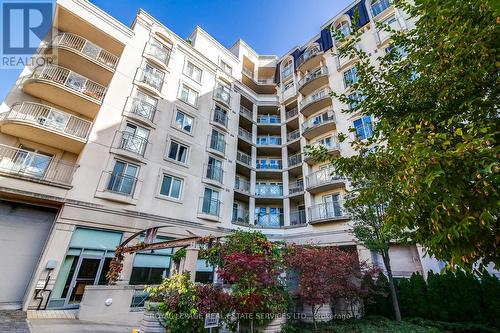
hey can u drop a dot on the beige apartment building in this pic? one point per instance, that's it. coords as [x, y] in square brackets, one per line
[121, 129]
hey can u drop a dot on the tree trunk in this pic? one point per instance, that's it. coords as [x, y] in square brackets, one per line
[394, 296]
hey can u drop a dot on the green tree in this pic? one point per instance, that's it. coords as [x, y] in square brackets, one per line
[433, 157]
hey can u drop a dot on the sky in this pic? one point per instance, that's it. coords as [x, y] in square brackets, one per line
[268, 26]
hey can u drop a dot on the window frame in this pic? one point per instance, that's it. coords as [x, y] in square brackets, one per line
[190, 72]
[185, 114]
[180, 144]
[173, 178]
[190, 90]
[364, 126]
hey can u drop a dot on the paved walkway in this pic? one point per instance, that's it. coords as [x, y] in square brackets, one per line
[72, 326]
[13, 321]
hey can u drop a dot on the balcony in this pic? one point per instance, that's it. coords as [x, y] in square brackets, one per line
[140, 110]
[240, 216]
[383, 35]
[244, 158]
[315, 102]
[121, 184]
[311, 58]
[291, 113]
[25, 164]
[319, 124]
[242, 185]
[209, 207]
[331, 144]
[313, 80]
[298, 218]
[151, 80]
[220, 118]
[130, 144]
[325, 212]
[84, 57]
[323, 180]
[260, 85]
[269, 165]
[213, 172]
[268, 120]
[223, 95]
[269, 191]
[245, 135]
[296, 187]
[246, 113]
[46, 125]
[268, 140]
[292, 136]
[294, 160]
[158, 53]
[272, 220]
[66, 88]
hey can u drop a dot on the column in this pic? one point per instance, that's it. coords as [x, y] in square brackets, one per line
[190, 261]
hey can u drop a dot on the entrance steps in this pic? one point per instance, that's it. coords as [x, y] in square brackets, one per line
[52, 314]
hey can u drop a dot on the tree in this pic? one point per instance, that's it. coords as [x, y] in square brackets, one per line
[435, 100]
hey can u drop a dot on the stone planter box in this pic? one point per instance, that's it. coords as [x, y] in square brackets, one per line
[150, 323]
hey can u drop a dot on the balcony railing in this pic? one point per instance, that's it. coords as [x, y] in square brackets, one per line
[121, 183]
[242, 185]
[268, 140]
[298, 217]
[71, 80]
[308, 55]
[292, 113]
[332, 144]
[88, 49]
[240, 215]
[223, 95]
[214, 172]
[50, 118]
[244, 134]
[328, 210]
[243, 158]
[296, 187]
[133, 143]
[220, 117]
[25, 163]
[159, 52]
[323, 177]
[247, 72]
[217, 143]
[268, 119]
[324, 118]
[313, 75]
[292, 136]
[380, 6]
[210, 206]
[315, 96]
[141, 108]
[152, 79]
[269, 220]
[246, 113]
[269, 164]
[294, 160]
[269, 190]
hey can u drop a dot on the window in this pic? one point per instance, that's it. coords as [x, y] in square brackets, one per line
[287, 69]
[192, 71]
[214, 169]
[123, 178]
[364, 127]
[350, 77]
[217, 141]
[144, 105]
[378, 6]
[326, 142]
[178, 152]
[211, 202]
[153, 76]
[171, 187]
[30, 161]
[398, 50]
[150, 267]
[226, 68]
[288, 85]
[272, 216]
[134, 139]
[220, 115]
[391, 21]
[344, 28]
[183, 122]
[204, 272]
[355, 99]
[189, 95]
[331, 206]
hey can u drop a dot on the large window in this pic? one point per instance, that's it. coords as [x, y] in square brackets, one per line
[214, 169]
[150, 267]
[123, 178]
[350, 77]
[226, 68]
[287, 69]
[134, 138]
[192, 71]
[378, 6]
[188, 95]
[344, 28]
[211, 202]
[364, 127]
[217, 141]
[183, 122]
[355, 99]
[171, 187]
[178, 152]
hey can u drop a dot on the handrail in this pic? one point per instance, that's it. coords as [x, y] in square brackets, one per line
[71, 80]
[159, 52]
[210, 206]
[214, 172]
[269, 220]
[244, 134]
[242, 185]
[241, 216]
[292, 113]
[298, 217]
[267, 165]
[121, 183]
[268, 140]
[308, 54]
[322, 177]
[152, 79]
[223, 95]
[323, 118]
[294, 160]
[269, 190]
[50, 118]
[133, 143]
[220, 117]
[328, 210]
[296, 186]
[294, 135]
[243, 158]
[217, 143]
[141, 108]
[315, 96]
[322, 71]
[89, 49]
[246, 113]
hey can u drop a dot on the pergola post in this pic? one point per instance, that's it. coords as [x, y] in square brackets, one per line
[190, 261]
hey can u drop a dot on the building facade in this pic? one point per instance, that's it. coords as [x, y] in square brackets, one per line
[123, 129]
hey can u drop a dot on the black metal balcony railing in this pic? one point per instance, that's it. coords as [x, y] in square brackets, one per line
[298, 217]
[243, 158]
[220, 117]
[217, 143]
[240, 216]
[25, 163]
[121, 183]
[141, 108]
[269, 190]
[210, 206]
[242, 185]
[296, 187]
[269, 220]
[133, 143]
[50, 118]
[269, 164]
[214, 172]
[294, 160]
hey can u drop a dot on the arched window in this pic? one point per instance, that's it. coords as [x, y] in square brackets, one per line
[378, 6]
[286, 68]
[344, 27]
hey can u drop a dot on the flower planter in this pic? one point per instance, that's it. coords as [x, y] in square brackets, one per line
[150, 323]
